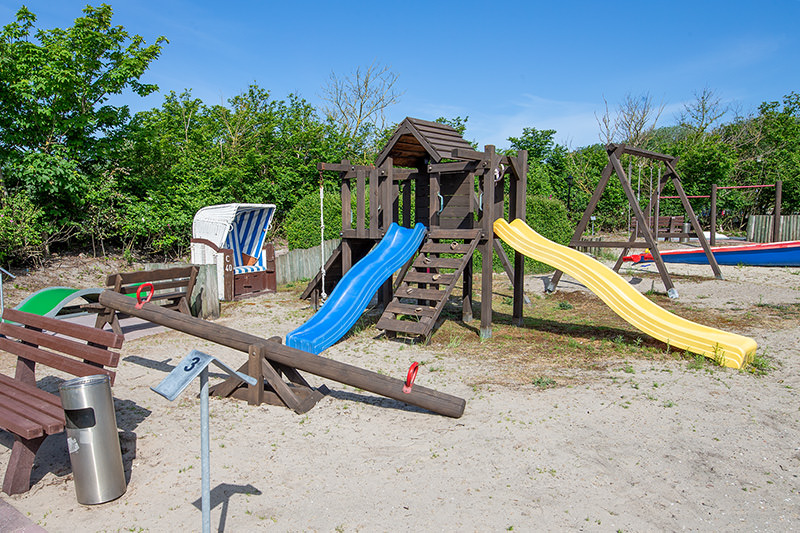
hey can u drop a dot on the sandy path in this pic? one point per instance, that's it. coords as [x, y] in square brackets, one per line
[643, 448]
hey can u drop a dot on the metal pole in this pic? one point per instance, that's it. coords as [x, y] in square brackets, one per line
[204, 452]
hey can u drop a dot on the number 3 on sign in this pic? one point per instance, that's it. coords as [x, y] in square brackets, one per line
[189, 368]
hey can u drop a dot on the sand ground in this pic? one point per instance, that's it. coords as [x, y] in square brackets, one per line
[651, 447]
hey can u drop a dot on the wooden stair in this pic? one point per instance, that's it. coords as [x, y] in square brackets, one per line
[423, 289]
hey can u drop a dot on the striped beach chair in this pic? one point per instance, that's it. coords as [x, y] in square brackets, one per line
[233, 236]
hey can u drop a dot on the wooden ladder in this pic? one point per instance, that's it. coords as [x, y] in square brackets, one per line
[424, 287]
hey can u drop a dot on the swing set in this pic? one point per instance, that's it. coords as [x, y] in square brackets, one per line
[646, 226]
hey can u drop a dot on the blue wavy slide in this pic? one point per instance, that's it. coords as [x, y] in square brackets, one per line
[356, 288]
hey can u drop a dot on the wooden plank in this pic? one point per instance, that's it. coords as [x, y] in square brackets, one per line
[407, 204]
[12, 410]
[126, 278]
[437, 262]
[361, 188]
[457, 166]
[402, 326]
[419, 294]
[454, 234]
[374, 203]
[16, 423]
[347, 207]
[158, 286]
[399, 308]
[454, 247]
[15, 388]
[459, 204]
[96, 336]
[53, 360]
[428, 277]
[61, 344]
[462, 222]
[639, 152]
[469, 154]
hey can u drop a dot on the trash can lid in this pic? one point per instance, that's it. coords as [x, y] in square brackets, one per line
[85, 381]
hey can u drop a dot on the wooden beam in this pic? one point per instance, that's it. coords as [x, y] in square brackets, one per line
[419, 396]
[639, 152]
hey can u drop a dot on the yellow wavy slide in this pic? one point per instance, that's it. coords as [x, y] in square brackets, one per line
[729, 349]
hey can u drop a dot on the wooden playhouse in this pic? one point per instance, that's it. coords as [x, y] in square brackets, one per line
[428, 173]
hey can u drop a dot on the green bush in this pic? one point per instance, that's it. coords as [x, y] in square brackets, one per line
[22, 226]
[302, 222]
[548, 217]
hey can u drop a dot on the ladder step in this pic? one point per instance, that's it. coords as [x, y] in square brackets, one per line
[428, 277]
[402, 326]
[420, 294]
[438, 262]
[445, 247]
[399, 308]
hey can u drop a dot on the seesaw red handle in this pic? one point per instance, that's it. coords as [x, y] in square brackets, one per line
[412, 375]
[139, 302]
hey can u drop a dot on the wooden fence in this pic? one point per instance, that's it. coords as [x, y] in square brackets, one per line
[302, 264]
[759, 228]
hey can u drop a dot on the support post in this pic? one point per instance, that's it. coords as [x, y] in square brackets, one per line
[516, 209]
[776, 223]
[712, 232]
[487, 247]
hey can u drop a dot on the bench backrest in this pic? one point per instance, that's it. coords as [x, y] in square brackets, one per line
[72, 348]
[247, 235]
[169, 283]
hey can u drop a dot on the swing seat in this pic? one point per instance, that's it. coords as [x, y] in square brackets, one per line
[232, 236]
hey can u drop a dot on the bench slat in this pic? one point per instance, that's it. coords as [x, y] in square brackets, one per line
[61, 344]
[13, 387]
[157, 296]
[53, 360]
[150, 275]
[44, 414]
[20, 425]
[19, 415]
[97, 336]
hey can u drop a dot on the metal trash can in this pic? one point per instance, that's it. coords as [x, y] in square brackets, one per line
[92, 439]
[686, 229]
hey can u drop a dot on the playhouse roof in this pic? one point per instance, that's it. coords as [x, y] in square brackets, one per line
[416, 140]
[215, 221]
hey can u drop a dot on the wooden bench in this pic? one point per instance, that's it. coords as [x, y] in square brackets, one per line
[172, 286]
[28, 412]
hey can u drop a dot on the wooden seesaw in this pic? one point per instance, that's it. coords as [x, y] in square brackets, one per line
[268, 359]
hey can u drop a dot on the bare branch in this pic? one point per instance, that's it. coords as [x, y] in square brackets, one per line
[361, 99]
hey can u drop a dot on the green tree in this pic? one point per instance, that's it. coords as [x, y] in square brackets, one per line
[547, 165]
[56, 124]
[55, 84]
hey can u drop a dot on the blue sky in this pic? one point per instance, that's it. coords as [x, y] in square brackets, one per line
[505, 65]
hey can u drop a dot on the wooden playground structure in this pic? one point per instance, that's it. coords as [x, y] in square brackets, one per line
[427, 173]
[650, 227]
